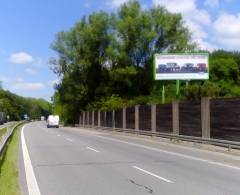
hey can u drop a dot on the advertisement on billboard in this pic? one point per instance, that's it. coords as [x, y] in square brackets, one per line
[181, 66]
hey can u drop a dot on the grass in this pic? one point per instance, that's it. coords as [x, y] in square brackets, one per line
[3, 131]
[8, 166]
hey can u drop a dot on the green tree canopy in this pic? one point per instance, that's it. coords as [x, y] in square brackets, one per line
[16, 106]
[111, 53]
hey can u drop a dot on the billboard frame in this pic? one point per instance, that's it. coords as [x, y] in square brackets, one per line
[178, 80]
[191, 53]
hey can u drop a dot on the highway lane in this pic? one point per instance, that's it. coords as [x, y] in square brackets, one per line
[75, 161]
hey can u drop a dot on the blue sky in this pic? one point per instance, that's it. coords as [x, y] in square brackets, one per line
[28, 27]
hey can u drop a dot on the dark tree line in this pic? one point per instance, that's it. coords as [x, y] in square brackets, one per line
[16, 106]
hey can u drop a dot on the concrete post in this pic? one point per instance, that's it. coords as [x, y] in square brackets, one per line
[105, 119]
[136, 117]
[205, 116]
[87, 118]
[153, 118]
[80, 119]
[93, 118]
[175, 117]
[99, 118]
[84, 119]
[124, 118]
[113, 119]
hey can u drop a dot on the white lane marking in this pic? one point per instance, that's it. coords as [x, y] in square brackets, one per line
[154, 175]
[58, 135]
[92, 149]
[70, 140]
[173, 153]
[32, 185]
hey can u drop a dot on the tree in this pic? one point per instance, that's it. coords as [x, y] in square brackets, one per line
[106, 54]
[16, 106]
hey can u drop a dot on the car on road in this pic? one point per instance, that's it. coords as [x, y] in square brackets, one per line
[202, 67]
[161, 68]
[188, 67]
[173, 67]
[53, 121]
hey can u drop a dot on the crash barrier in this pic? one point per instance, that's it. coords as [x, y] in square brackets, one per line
[211, 119]
[5, 138]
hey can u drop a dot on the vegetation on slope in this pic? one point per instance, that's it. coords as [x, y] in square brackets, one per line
[16, 106]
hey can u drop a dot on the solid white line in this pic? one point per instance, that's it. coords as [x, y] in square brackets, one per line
[92, 149]
[154, 175]
[70, 140]
[32, 185]
[173, 153]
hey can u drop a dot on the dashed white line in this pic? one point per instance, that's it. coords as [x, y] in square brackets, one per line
[70, 140]
[92, 149]
[152, 174]
[58, 135]
[32, 185]
[173, 153]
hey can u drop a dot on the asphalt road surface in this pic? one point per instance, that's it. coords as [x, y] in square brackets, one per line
[69, 161]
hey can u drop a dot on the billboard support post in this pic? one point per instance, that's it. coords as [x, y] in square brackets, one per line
[187, 83]
[177, 88]
[180, 66]
[163, 94]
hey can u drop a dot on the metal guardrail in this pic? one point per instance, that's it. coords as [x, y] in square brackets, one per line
[217, 142]
[4, 139]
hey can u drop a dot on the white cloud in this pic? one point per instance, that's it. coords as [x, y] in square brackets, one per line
[18, 80]
[4, 79]
[203, 45]
[197, 29]
[196, 19]
[188, 9]
[19, 84]
[211, 3]
[39, 62]
[117, 3]
[30, 71]
[185, 6]
[200, 16]
[227, 30]
[28, 86]
[54, 82]
[21, 58]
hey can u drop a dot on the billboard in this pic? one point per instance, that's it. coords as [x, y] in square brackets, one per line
[181, 66]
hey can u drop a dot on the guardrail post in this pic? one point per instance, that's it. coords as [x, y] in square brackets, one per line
[124, 118]
[99, 118]
[153, 118]
[136, 117]
[93, 118]
[205, 116]
[175, 117]
[83, 119]
[113, 119]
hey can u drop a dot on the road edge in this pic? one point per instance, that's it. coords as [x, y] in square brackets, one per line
[32, 185]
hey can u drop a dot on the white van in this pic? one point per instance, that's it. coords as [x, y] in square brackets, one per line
[53, 121]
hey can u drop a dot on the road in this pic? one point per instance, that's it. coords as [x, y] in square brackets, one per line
[69, 161]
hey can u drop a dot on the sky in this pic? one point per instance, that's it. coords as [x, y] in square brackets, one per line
[28, 28]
